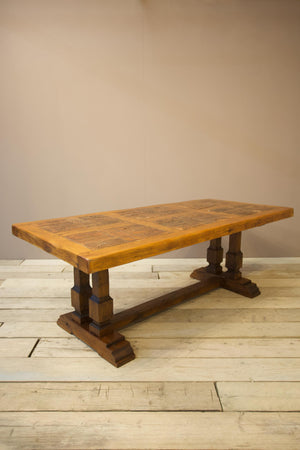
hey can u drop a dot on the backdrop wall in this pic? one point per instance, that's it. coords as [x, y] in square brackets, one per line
[111, 104]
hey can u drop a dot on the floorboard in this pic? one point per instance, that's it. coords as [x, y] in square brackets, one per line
[166, 330]
[153, 369]
[219, 372]
[178, 348]
[154, 430]
[259, 396]
[109, 396]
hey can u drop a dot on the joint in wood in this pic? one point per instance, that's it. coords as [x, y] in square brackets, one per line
[100, 309]
[100, 329]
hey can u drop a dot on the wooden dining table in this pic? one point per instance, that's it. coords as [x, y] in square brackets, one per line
[94, 243]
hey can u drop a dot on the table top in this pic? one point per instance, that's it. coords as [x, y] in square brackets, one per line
[97, 241]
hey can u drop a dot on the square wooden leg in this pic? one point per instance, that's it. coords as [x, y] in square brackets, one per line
[91, 321]
[231, 279]
[80, 293]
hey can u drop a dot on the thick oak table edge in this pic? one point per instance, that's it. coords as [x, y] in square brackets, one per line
[89, 261]
[93, 264]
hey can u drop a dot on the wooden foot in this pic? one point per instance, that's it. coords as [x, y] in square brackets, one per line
[242, 286]
[232, 279]
[113, 347]
[91, 322]
[203, 275]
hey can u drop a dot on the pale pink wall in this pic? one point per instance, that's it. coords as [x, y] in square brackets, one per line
[110, 104]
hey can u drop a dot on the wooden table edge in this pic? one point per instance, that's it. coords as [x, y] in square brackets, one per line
[134, 253]
[92, 261]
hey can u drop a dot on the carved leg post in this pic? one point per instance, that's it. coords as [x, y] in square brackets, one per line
[234, 256]
[232, 279]
[214, 257]
[100, 304]
[91, 321]
[118, 351]
[80, 294]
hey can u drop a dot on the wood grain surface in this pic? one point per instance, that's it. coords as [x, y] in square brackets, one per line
[98, 241]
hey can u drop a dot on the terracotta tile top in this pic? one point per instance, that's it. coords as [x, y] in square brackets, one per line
[98, 241]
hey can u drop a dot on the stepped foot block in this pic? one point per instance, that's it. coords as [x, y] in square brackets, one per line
[242, 286]
[113, 347]
[202, 274]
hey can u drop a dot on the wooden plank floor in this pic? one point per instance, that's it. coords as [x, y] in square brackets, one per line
[218, 372]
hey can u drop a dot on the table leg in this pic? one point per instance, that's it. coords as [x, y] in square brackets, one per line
[234, 256]
[100, 304]
[231, 279]
[214, 257]
[80, 294]
[91, 321]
